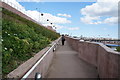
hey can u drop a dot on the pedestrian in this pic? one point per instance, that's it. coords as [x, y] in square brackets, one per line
[63, 39]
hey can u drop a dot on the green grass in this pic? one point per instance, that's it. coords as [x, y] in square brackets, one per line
[21, 39]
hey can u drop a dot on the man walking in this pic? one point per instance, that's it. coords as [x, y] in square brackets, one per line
[63, 39]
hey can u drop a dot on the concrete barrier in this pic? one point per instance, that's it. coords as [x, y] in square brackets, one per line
[91, 50]
[42, 67]
[108, 62]
[105, 59]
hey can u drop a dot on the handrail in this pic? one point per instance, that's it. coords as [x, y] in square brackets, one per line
[28, 73]
[34, 66]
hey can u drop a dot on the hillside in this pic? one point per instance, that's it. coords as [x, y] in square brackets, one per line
[21, 39]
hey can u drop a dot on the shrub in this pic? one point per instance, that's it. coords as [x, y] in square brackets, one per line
[118, 49]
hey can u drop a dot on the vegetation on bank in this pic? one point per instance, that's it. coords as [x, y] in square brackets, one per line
[21, 39]
[118, 49]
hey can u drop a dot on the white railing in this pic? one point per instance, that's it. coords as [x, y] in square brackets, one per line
[39, 61]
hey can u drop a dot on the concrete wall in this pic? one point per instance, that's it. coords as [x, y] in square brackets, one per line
[105, 59]
[41, 68]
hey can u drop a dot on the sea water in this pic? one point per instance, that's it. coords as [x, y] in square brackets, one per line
[113, 46]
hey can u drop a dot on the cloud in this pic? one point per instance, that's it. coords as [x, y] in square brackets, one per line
[73, 28]
[101, 12]
[89, 20]
[43, 19]
[14, 4]
[64, 15]
[37, 15]
[56, 25]
[59, 27]
[113, 20]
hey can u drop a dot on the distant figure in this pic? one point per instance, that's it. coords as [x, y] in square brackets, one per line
[63, 39]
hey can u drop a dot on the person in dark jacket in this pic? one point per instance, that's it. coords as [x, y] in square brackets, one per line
[63, 39]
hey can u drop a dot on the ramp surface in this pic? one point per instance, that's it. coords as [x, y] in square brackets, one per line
[67, 64]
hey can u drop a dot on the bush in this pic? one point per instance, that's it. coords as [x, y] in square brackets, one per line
[20, 39]
[118, 49]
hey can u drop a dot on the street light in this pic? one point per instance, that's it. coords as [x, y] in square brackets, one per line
[41, 14]
[47, 19]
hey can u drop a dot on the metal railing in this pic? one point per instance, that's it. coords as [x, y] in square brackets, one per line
[36, 64]
[39, 61]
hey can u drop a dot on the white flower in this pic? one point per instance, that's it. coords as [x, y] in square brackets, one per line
[15, 34]
[1, 39]
[5, 32]
[8, 34]
[5, 48]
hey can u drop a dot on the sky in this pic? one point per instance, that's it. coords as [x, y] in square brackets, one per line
[87, 18]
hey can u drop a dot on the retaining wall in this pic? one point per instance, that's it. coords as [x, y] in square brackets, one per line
[42, 67]
[105, 59]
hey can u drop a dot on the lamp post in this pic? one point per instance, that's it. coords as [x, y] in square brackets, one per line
[39, 14]
[51, 23]
[47, 19]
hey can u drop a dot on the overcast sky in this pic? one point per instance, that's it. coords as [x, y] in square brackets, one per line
[81, 17]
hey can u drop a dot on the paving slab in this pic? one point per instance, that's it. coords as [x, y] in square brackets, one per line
[67, 64]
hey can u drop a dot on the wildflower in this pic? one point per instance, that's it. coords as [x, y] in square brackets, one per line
[5, 48]
[15, 34]
[11, 50]
[8, 34]
[1, 39]
[5, 32]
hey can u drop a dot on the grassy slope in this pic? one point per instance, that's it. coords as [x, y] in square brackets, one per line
[21, 39]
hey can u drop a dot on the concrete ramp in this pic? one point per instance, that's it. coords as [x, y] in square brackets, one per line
[67, 64]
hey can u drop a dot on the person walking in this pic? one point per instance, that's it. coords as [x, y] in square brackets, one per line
[63, 39]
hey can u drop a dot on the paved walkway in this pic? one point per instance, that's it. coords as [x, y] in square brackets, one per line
[67, 64]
